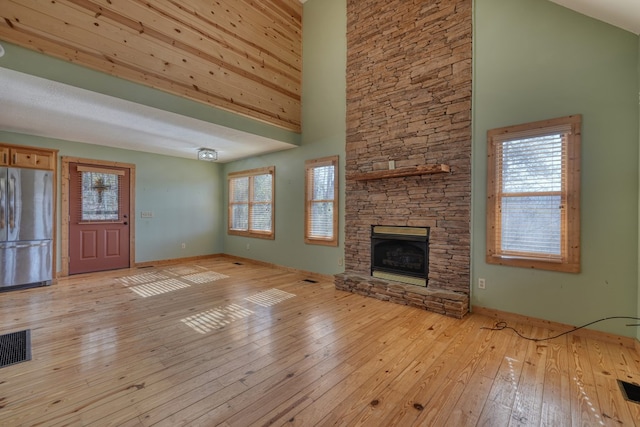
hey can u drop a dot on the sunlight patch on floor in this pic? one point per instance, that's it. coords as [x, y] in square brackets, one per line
[205, 277]
[183, 270]
[270, 297]
[157, 288]
[138, 279]
[216, 318]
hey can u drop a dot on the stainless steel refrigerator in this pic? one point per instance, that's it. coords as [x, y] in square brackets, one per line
[26, 227]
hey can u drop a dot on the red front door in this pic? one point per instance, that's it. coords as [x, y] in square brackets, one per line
[98, 218]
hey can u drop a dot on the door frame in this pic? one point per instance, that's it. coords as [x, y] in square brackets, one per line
[65, 191]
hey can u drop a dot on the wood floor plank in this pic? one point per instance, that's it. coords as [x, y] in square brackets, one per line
[557, 390]
[418, 397]
[611, 402]
[527, 406]
[287, 380]
[584, 398]
[459, 376]
[477, 390]
[390, 360]
[333, 390]
[497, 410]
[210, 342]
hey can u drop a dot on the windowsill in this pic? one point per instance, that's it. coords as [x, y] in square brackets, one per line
[534, 263]
[267, 236]
[321, 242]
[529, 258]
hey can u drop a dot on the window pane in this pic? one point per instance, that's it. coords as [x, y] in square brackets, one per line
[531, 224]
[100, 197]
[533, 164]
[250, 202]
[261, 217]
[239, 217]
[321, 220]
[262, 188]
[323, 177]
[240, 189]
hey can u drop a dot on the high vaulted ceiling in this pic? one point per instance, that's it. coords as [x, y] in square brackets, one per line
[240, 55]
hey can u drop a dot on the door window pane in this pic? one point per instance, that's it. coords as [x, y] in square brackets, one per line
[100, 196]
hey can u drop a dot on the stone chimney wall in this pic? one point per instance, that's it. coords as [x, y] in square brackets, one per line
[409, 100]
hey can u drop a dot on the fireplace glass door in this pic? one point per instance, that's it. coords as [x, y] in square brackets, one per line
[400, 254]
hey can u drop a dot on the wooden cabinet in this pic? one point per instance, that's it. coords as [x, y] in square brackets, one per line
[4, 156]
[27, 157]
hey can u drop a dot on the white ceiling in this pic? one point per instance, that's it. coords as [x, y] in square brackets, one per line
[620, 13]
[37, 106]
[41, 107]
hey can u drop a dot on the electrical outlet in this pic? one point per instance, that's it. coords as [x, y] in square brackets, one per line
[248, 246]
[481, 284]
[184, 245]
[340, 261]
[146, 214]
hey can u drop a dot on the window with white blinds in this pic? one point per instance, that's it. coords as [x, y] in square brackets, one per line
[533, 195]
[251, 203]
[321, 201]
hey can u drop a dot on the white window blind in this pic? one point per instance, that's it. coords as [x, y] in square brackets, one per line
[239, 201]
[261, 202]
[321, 215]
[532, 192]
[321, 201]
[251, 202]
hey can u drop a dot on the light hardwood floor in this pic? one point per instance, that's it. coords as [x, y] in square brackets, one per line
[243, 345]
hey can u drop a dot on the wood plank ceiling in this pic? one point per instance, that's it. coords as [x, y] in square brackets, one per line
[244, 56]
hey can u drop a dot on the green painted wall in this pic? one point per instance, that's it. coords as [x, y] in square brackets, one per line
[184, 196]
[323, 134]
[535, 60]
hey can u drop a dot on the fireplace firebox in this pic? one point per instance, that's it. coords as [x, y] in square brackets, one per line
[400, 254]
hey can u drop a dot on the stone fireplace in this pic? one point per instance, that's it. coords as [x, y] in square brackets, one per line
[408, 148]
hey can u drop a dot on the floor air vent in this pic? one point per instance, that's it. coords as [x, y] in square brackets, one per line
[631, 392]
[238, 263]
[15, 347]
[310, 281]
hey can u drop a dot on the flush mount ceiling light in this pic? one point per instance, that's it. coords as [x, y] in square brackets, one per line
[207, 154]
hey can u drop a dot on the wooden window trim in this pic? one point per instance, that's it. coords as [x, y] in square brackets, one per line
[270, 170]
[569, 261]
[309, 166]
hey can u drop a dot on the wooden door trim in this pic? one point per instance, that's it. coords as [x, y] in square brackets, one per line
[65, 191]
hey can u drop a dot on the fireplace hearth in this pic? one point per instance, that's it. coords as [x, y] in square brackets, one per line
[400, 254]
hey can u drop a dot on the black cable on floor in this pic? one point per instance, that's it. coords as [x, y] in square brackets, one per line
[499, 326]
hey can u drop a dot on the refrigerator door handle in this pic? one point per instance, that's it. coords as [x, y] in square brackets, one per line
[12, 203]
[3, 203]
